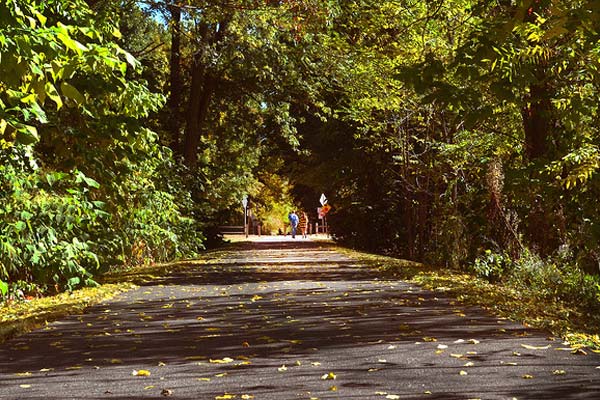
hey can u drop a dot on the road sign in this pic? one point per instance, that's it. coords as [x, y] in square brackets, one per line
[323, 199]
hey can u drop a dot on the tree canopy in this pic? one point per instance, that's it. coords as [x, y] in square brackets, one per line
[457, 132]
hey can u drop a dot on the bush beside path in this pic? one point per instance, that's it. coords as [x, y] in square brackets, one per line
[284, 320]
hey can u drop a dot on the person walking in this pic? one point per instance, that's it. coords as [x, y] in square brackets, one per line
[303, 224]
[293, 217]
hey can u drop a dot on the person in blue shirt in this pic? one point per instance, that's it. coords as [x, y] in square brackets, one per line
[293, 222]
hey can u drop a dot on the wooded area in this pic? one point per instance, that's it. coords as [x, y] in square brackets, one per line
[461, 133]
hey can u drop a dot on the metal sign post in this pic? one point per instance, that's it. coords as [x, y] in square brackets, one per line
[245, 204]
[323, 201]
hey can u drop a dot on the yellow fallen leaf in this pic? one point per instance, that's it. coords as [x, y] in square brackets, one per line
[255, 298]
[141, 372]
[247, 396]
[25, 386]
[456, 355]
[559, 372]
[282, 368]
[329, 376]
[392, 397]
[23, 374]
[226, 396]
[527, 376]
[463, 373]
[225, 360]
[333, 388]
[116, 361]
[529, 347]
[204, 379]
[149, 387]
[469, 364]
[429, 339]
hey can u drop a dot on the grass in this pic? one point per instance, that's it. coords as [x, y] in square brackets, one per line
[20, 317]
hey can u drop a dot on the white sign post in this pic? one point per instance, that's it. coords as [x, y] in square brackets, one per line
[323, 201]
[245, 204]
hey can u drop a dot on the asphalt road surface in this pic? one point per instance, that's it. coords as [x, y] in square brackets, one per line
[290, 320]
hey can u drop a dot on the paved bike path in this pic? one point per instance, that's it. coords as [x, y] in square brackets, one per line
[289, 320]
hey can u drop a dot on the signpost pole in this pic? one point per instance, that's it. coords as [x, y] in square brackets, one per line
[245, 204]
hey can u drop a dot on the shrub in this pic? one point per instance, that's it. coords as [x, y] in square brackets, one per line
[492, 266]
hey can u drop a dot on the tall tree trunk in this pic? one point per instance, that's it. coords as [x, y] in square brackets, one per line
[201, 92]
[203, 87]
[537, 121]
[176, 84]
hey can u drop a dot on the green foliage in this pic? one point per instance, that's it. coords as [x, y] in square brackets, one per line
[3, 288]
[85, 186]
[49, 223]
[492, 266]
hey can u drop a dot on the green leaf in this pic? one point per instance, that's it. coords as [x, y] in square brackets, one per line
[27, 134]
[3, 288]
[53, 94]
[88, 181]
[72, 93]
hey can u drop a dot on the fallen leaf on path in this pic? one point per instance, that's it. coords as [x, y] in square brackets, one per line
[392, 396]
[226, 396]
[329, 376]
[529, 347]
[24, 386]
[247, 396]
[282, 368]
[463, 373]
[141, 372]
[225, 360]
[559, 372]
[333, 388]
[527, 376]
[579, 352]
